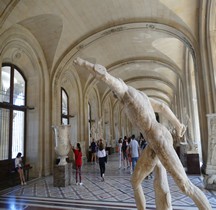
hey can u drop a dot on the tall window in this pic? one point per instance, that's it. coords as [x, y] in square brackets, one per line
[89, 123]
[12, 112]
[64, 107]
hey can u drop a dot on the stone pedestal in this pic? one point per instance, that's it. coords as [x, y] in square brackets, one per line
[211, 160]
[193, 164]
[62, 175]
[210, 179]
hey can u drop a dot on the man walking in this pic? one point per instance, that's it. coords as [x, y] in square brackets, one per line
[134, 150]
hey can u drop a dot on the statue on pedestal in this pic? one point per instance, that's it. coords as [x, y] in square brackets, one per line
[159, 155]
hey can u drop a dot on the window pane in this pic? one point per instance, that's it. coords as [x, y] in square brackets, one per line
[19, 89]
[64, 103]
[64, 121]
[4, 134]
[5, 82]
[18, 133]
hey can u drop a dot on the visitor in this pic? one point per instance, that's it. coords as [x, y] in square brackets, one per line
[102, 159]
[19, 168]
[78, 163]
[124, 152]
[134, 150]
[93, 151]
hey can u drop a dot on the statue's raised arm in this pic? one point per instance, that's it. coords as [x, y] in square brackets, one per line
[120, 88]
[100, 73]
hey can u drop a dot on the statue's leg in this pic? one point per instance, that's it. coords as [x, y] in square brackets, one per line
[161, 186]
[144, 166]
[160, 142]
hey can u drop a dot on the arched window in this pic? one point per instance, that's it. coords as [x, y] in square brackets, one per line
[12, 112]
[64, 107]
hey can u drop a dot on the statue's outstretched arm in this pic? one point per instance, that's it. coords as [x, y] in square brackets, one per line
[100, 73]
[167, 112]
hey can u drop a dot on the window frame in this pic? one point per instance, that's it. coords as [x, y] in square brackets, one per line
[65, 116]
[11, 108]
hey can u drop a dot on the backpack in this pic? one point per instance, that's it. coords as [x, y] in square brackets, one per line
[124, 146]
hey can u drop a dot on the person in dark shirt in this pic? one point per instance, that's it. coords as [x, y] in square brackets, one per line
[93, 151]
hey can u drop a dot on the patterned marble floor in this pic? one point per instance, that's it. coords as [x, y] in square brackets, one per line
[115, 193]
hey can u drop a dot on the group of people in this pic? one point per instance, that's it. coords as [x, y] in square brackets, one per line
[129, 151]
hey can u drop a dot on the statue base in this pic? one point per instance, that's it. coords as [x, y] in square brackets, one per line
[193, 164]
[210, 186]
[62, 175]
[210, 182]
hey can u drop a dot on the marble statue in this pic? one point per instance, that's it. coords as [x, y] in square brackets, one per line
[97, 130]
[159, 155]
[93, 131]
[210, 173]
[62, 142]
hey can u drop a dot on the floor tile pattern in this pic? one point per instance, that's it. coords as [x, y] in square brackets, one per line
[115, 193]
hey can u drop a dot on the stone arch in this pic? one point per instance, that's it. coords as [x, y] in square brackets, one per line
[116, 121]
[19, 47]
[68, 78]
[212, 39]
[107, 114]
[93, 98]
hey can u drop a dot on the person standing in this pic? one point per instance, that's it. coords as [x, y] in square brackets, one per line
[93, 151]
[134, 149]
[78, 163]
[102, 159]
[19, 168]
[124, 152]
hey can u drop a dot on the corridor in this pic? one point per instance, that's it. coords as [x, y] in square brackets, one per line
[114, 193]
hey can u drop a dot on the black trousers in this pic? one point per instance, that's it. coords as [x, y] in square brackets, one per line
[102, 165]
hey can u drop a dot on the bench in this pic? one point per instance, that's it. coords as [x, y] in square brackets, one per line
[14, 175]
[9, 176]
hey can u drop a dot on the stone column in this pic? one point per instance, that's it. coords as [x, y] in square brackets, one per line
[210, 179]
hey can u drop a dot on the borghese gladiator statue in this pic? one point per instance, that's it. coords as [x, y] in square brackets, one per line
[159, 155]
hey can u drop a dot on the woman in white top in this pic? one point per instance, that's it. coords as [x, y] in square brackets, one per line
[102, 159]
[19, 168]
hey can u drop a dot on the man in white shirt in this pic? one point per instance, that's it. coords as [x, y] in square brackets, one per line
[134, 150]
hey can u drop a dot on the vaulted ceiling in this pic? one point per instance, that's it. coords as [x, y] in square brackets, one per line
[143, 42]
